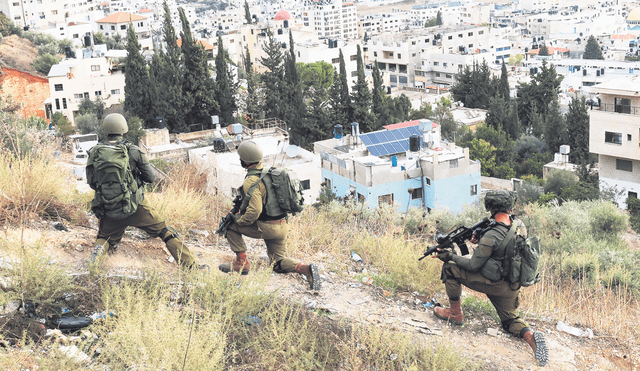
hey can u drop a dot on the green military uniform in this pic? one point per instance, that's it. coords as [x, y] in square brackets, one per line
[146, 218]
[482, 273]
[255, 223]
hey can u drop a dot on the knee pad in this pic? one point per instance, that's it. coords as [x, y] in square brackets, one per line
[168, 233]
[277, 267]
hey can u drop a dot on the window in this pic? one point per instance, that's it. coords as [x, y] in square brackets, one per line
[460, 36]
[113, 28]
[64, 103]
[416, 193]
[140, 24]
[102, 27]
[54, 12]
[375, 54]
[86, 95]
[385, 199]
[615, 138]
[437, 74]
[353, 57]
[57, 103]
[436, 63]
[623, 105]
[361, 198]
[327, 183]
[98, 93]
[624, 165]
[445, 65]
[427, 181]
[453, 163]
[354, 73]
[335, 60]
[115, 91]
[470, 34]
[123, 27]
[57, 87]
[450, 38]
[474, 190]
[629, 137]
[77, 96]
[471, 45]
[632, 194]
[95, 67]
[305, 184]
[399, 56]
[480, 32]
[448, 76]
[16, 4]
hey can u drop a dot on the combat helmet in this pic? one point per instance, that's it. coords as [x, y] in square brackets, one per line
[115, 123]
[499, 200]
[249, 152]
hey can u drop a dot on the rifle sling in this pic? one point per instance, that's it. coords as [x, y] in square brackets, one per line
[247, 196]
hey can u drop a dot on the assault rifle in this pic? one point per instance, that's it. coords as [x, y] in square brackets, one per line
[459, 236]
[228, 219]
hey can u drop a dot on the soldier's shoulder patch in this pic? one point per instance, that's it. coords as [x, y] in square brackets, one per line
[487, 241]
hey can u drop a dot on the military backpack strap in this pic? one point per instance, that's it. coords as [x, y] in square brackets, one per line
[510, 235]
[249, 192]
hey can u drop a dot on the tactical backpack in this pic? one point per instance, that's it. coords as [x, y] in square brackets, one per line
[284, 192]
[116, 189]
[522, 258]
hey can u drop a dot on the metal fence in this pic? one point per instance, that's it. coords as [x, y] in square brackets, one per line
[609, 107]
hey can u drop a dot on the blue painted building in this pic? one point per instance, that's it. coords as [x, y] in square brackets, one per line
[431, 175]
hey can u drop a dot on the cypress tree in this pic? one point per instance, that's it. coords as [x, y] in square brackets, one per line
[338, 115]
[497, 113]
[439, 18]
[503, 85]
[137, 94]
[224, 87]
[319, 122]
[168, 76]
[378, 100]
[555, 127]
[294, 106]
[247, 13]
[578, 130]
[544, 51]
[342, 101]
[252, 100]
[198, 86]
[273, 77]
[361, 97]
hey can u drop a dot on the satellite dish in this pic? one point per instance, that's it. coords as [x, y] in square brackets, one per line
[292, 151]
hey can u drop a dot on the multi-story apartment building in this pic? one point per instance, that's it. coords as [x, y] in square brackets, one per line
[382, 167]
[73, 80]
[454, 13]
[614, 134]
[376, 24]
[117, 23]
[322, 50]
[331, 19]
[43, 14]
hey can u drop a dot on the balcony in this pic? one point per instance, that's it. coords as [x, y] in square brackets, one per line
[610, 107]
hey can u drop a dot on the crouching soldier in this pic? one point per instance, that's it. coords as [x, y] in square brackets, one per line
[253, 221]
[117, 171]
[482, 273]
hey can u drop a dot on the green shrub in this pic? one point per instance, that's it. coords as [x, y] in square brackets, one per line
[43, 63]
[633, 205]
[581, 267]
[607, 221]
[557, 180]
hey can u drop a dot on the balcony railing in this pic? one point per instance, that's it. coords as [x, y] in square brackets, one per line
[610, 107]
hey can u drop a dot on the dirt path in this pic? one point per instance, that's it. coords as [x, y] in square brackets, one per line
[343, 296]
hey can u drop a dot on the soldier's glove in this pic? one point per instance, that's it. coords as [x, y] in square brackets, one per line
[444, 255]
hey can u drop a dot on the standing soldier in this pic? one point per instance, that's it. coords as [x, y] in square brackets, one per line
[483, 273]
[117, 171]
[253, 221]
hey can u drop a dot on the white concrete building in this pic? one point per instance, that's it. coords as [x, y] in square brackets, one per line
[73, 80]
[614, 135]
[43, 14]
[331, 19]
[117, 23]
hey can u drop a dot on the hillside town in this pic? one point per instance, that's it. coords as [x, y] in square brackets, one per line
[418, 50]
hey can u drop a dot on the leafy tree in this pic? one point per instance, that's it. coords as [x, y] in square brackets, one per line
[361, 97]
[115, 42]
[443, 116]
[557, 180]
[474, 86]
[499, 139]
[62, 44]
[137, 97]
[578, 130]
[592, 50]
[318, 117]
[538, 93]
[273, 78]
[88, 123]
[432, 22]
[93, 107]
[43, 63]
[439, 18]
[99, 38]
[315, 76]
[515, 60]
[39, 38]
[136, 129]
[378, 100]
[7, 27]
[247, 13]
[533, 165]
[483, 151]
[424, 112]
[399, 109]
[555, 127]
[527, 146]
[294, 107]
[51, 48]
[62, 124]
[543, 51]
[198, 87]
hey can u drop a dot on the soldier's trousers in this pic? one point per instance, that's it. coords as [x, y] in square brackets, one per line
[503, 298]
[274, 234]
[147, 219]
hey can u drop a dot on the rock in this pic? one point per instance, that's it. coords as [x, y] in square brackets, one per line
[74, 353]
[79, 248]
[492, 331]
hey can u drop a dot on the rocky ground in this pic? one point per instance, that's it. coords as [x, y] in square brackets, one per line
[344, 296]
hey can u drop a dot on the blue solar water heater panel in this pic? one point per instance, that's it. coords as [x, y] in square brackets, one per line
[397, 147]
[375, 150]
[366, 140]
[388, 148]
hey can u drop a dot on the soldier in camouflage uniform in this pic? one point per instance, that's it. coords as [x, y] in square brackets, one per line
[483, 273]
[145, 217]
[255, 223]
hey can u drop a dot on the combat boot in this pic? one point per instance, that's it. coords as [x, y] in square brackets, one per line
[538, 344]
[311, 272]
[453, 314]
[98, 250]
[240, 264]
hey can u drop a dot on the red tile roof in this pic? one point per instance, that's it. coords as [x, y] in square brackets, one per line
[121, 17]
[551, 50]
[205, 44]
[405, 124]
